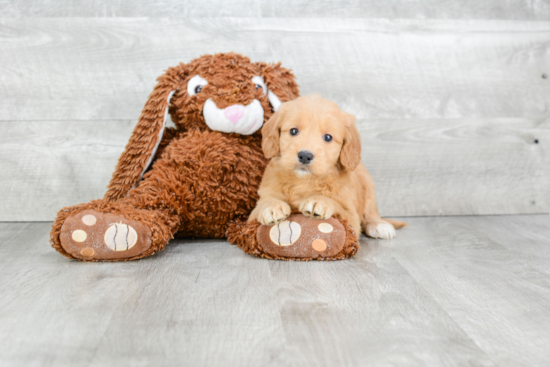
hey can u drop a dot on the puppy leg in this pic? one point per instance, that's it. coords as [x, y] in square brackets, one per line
[372, 224]
[270, 211]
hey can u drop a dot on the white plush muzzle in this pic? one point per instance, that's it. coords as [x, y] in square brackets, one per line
[244, 120]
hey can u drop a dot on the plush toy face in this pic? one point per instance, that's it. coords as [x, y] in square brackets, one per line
[227, 93]
[222, 92]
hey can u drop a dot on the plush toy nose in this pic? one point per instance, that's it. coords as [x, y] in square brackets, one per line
[234, 113]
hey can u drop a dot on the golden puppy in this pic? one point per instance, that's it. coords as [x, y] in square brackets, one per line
[316, 168]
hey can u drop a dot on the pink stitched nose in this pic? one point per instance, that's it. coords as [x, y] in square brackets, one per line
[234, 113]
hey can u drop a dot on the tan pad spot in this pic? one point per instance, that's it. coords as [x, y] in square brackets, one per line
[87, 252]
[325, 228]
[319, 245]
[285, 233]
[79, 235]
[120, 237]
[89, 220]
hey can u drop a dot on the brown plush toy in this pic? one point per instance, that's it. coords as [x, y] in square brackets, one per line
[197, 179]
[296, 238]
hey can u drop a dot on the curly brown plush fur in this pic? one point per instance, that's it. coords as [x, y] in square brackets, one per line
[229, 76]
[201, 180]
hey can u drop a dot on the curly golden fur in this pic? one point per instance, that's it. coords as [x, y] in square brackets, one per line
[316, 168]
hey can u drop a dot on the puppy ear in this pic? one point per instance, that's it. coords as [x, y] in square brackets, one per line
[350, 155]
[281, 84]
[147, 134]
[270, 134]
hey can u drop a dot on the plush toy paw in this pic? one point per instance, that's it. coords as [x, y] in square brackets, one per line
[317, 208]
[296, 238]
[92, 235]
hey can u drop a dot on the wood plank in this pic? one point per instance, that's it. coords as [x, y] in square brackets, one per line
[421, 167]
[366, 311]
[208, 303]
[426, 9]
[530, 247]
[458, 166]
[197, 303]
[446, 291]
[416, 9]
[94, 68]
[498, 299]
[138, 8]
[49, 165]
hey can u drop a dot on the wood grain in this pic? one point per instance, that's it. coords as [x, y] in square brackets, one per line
[47, 165]
[447, 292]
[435, 9]
[482, 284]
[420, 167]
[458, 167]
[416, 9]
[94, 68]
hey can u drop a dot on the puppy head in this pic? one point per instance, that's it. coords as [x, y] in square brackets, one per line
[313, 136]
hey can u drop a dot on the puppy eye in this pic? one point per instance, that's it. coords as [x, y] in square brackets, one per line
[293, 131]
[327, 138]
[198, 89]
[258, 86]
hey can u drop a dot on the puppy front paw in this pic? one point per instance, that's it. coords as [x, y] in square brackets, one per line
[275, 213]
[317, 208]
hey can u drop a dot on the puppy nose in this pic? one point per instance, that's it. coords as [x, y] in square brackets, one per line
[305, 157]
[234, 113]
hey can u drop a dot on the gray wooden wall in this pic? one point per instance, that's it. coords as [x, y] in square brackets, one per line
[451, 96]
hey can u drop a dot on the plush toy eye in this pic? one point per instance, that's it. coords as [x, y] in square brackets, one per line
[293, 131]
[259, 83]
[195, 85]
[327, 138]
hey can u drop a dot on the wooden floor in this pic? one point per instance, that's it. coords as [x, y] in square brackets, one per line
[448, 291]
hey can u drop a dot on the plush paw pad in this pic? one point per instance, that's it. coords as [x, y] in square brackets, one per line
[120, 237]
[302, 237]
[91, 235]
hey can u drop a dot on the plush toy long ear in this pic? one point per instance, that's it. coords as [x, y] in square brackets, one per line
[270, 134]
[145, 139]
[281, 84]
[350, 155]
